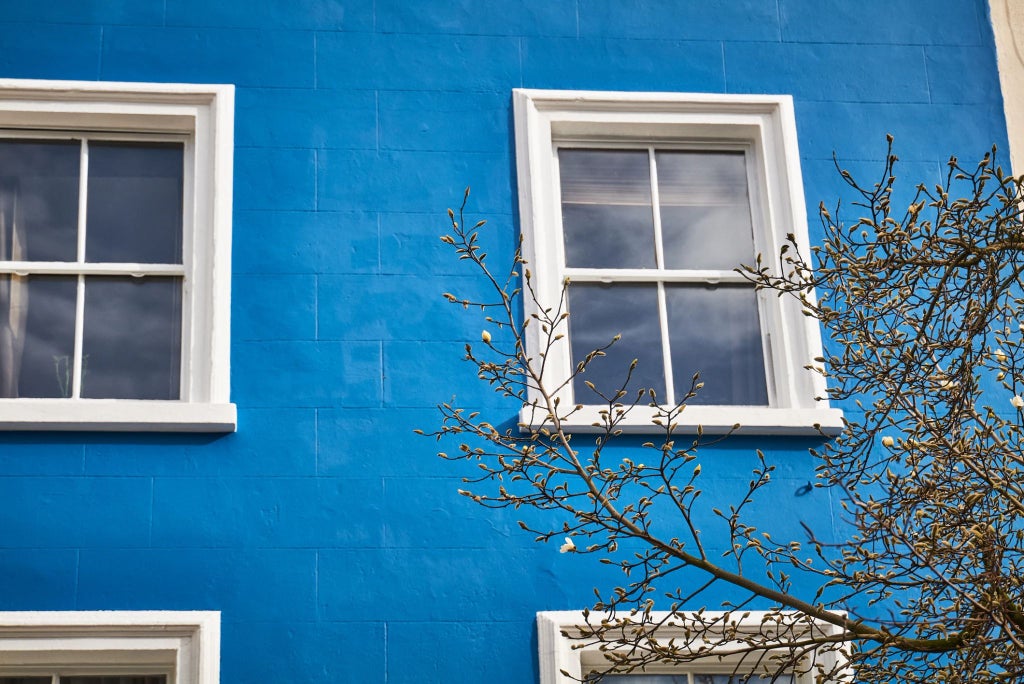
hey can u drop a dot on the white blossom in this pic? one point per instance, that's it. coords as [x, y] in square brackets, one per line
[888, 441]
[568, 546]
[1017, 401]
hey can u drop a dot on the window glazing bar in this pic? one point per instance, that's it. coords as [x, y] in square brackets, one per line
[659, 259]
[650, 275]
[83, 195]
[71, 268]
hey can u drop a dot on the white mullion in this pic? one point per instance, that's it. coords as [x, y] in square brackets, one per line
[76, 380]
[659, 256]
[83, 202]
[83, 206]
[666, 350]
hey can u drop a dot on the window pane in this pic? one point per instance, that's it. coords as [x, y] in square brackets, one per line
[597, 314]
[705, 212]
[135, 195]
[39, 200]
[717, 331]
[37, 335]
[132, 338]
[24, 680]
[607, 219]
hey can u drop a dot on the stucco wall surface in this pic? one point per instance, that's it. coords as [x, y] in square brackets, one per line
[331, 537]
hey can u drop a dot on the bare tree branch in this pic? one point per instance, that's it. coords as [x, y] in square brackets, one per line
[921, 305]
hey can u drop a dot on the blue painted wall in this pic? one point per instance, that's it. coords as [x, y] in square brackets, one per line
[328, 534]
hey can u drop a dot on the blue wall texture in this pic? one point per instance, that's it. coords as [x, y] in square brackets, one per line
[330, 536]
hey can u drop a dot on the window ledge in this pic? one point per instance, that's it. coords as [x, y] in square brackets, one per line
[116, 415]
[753, 420]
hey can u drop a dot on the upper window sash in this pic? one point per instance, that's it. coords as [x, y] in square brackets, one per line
[80, 264]
[659, 207]
[86, 187]
[764, 128]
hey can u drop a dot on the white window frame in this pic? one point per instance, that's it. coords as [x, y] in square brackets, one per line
[565, 660]
[184, 645]
[202, 116]
[764, 127]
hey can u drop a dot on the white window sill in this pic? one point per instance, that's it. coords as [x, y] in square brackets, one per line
[753, 420]
[116, 415]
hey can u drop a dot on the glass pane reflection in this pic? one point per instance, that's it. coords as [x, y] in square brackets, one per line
[705, 212]
[37, 336]
[132, 338]
[39, 200]
[607, 217]
[716, 331]
[135, 200]
[597, 314]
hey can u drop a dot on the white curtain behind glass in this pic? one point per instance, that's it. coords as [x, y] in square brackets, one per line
[13, 291]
